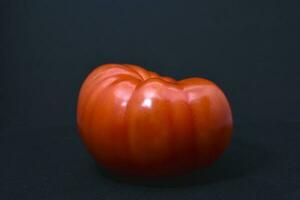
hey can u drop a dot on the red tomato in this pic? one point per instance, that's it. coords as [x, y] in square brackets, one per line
[135, 122]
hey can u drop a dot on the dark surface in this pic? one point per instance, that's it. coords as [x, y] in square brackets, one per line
[249, 48]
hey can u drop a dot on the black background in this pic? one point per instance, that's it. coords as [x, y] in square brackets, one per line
[249, 48]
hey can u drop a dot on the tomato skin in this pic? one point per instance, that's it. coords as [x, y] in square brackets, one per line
[135, 122]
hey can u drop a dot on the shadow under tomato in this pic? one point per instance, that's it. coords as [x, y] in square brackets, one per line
[241, 159]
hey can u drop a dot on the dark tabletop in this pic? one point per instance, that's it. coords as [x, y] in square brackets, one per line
[249, 48]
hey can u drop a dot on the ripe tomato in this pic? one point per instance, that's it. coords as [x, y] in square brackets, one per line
[135, 122]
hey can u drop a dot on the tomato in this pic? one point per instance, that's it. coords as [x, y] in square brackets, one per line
[135, 122]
